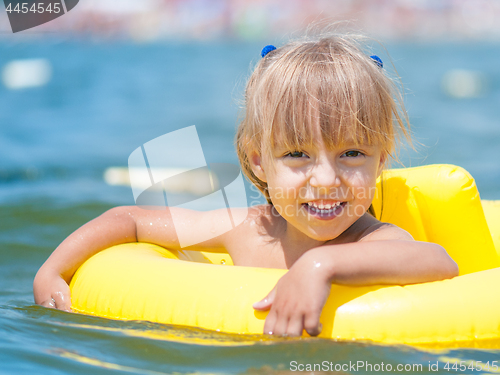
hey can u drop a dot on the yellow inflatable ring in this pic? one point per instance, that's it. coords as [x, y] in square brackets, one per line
[146, 282]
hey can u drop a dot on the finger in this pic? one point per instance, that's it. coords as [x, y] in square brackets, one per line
[295, 325]
[266, 303]
[281, 317]
[270, 323]
[312, 324]
[281, 325]
[50, 303]
[62, 301]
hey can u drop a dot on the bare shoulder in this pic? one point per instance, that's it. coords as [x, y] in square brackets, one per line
[261, 221]
[262, 218]
[380, 231]
[254, 241]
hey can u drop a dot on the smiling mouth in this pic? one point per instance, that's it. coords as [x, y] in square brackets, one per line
[324, 211]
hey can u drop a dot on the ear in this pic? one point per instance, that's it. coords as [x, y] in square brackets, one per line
[255, 160]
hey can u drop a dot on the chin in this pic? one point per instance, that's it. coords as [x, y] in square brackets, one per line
[323, 236]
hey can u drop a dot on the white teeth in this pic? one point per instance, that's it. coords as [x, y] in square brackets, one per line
[324, 207]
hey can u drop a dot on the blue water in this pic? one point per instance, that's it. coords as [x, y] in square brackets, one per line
[106, 99]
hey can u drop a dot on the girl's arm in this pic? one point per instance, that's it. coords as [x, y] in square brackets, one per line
[116, 226]
[386, 256]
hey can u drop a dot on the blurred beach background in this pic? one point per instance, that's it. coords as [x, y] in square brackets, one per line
[80, 93]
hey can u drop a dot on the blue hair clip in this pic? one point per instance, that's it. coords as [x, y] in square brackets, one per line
[377, 61]
[267, 49]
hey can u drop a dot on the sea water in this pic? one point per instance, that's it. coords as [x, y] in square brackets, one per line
[105, 99]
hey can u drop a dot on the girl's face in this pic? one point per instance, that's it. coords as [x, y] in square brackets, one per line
[319, 191]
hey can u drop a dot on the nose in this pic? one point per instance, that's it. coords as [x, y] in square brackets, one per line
[324, 174]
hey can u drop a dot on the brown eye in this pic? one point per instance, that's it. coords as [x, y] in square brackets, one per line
[353, 154]
[296, 154]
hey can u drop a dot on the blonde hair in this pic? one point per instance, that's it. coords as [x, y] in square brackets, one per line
[327, 77]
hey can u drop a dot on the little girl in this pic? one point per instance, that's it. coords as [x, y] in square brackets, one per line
[321, 122]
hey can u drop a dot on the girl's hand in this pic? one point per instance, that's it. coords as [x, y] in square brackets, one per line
[51, 290]
[297, 299]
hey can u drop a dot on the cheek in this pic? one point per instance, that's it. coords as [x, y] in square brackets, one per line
[285, 185]
[284, 195]
[363, 185]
